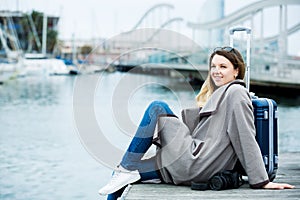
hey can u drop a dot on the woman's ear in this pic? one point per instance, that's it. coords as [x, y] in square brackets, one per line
[236, 72]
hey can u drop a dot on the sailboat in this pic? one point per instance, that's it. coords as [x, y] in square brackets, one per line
[11, 59]
[40, 64]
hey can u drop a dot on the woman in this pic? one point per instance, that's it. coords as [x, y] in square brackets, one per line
[209, 139]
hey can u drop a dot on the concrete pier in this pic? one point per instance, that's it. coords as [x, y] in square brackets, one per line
[289, 172]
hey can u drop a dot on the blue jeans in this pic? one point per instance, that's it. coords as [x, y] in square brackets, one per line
[141, 142]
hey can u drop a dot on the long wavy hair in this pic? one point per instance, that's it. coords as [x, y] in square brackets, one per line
[208, 87]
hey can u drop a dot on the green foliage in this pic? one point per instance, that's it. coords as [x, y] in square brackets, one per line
[52, 35]
[85, 50]
[51, 39]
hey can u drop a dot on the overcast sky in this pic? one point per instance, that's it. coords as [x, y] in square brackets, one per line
[107, 18]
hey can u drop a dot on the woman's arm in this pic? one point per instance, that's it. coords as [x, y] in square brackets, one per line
[241, 131]
[242, 134]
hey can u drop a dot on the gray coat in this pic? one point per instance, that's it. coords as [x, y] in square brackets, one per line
[211, 139]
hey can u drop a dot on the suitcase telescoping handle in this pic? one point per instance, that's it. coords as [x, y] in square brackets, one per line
[248, 31]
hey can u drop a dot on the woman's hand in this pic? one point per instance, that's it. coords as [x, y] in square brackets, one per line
[278, 186]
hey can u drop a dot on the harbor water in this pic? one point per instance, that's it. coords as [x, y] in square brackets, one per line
[42, 155]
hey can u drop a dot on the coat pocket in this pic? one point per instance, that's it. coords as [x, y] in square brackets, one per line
[197, 146]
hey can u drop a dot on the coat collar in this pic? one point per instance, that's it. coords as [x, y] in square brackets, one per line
[213, 103]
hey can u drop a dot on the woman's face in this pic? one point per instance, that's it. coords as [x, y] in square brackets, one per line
[222, 71]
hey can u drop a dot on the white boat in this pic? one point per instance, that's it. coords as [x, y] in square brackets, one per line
[38, 64]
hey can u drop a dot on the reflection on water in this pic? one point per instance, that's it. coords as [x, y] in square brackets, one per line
[40, 152]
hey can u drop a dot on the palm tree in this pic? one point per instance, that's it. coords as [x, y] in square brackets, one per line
[52, 34]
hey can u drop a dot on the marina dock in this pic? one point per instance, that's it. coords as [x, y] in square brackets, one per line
[289, 172]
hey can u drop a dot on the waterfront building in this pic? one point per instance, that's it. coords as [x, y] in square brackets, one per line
[211, 11]
[24, 31]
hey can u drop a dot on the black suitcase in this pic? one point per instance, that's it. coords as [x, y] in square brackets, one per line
[266, 117]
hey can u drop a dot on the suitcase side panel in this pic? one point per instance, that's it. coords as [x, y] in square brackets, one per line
[265, 113]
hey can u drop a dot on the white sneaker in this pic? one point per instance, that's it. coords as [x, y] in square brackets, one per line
[119, 179]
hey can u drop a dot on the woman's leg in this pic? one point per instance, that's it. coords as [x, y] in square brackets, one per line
[132, 167]
[145, 176]
[116, 195]
[142, 140]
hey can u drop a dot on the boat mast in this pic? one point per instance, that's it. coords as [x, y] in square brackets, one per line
[44, 39]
